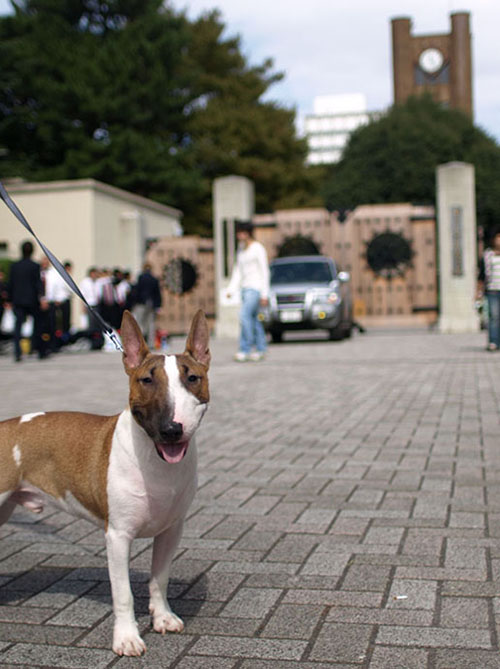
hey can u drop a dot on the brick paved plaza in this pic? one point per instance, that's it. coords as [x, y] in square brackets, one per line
[348, 515]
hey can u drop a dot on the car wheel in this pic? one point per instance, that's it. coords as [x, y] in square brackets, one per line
[336, 334]
[276, 336]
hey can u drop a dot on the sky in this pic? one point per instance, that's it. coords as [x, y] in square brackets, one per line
[333, 47]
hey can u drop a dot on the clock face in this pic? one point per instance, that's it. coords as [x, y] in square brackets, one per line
[431, 60]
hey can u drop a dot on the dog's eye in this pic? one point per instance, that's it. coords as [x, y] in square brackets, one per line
[192, 378]
[146, 380]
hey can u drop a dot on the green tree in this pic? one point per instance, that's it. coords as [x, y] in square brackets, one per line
[138, 96]
[233, 130]
[394, 159]
[92, 89]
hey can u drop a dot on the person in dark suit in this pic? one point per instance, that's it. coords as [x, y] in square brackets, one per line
[25, 293]
[3, 294]
[147, 302]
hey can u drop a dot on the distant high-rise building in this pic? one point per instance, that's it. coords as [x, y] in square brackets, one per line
[328, 129]
[438, 64]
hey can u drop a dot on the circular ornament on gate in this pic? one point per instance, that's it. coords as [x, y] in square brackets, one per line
[389, 254]
[180, 276]
[298, 245]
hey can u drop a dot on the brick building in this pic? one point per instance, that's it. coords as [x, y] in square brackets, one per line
[439, 64]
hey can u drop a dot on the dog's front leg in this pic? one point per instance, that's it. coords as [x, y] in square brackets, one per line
[164, 547]
[126, 639]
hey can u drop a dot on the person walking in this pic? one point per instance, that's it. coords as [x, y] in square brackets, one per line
[58, 295]
[489, 285]
[91, 328]
[124, 291]
[250, 276]
[107, 296]
[25, 293]
[147, 302]
[3, 295]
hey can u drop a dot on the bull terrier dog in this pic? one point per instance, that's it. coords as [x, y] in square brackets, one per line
[133, 474]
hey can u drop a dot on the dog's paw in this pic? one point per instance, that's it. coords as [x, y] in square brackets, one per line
[126, 641]
[167, 622]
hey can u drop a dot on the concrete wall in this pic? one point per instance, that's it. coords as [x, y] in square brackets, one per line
[59, 213]
[457, 247]
[233, 199]
[87, 222]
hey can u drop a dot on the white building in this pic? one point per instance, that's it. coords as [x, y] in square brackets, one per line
[87, 222]
[328, 129]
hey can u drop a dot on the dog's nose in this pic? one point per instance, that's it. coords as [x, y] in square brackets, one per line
[172, 432]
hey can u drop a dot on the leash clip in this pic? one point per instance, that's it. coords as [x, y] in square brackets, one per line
[115, 339]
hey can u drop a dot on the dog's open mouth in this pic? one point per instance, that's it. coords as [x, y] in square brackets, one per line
[172, 453]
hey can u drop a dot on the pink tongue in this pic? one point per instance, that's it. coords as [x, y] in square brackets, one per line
[172, 453]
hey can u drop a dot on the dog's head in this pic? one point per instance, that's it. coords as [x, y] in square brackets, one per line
[168, 393]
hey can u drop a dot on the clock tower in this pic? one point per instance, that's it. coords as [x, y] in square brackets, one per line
[438, 64]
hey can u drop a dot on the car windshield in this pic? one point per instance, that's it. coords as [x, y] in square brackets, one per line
[301, 272]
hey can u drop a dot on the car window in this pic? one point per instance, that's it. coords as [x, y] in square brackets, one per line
[301, 272]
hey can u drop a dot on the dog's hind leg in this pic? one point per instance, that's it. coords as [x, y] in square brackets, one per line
[6, 506]
[10, 457]
[164, 547]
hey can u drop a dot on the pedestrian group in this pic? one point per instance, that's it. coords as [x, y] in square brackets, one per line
[39, 317]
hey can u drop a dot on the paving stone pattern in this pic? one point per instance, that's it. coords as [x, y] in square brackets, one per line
[348, 515]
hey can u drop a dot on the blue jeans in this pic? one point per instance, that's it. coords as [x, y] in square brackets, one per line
[493, 297]
[251, 330]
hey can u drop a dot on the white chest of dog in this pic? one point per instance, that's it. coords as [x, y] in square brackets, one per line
[133, 474]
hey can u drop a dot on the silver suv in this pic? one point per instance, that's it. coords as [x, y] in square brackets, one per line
[307, 293]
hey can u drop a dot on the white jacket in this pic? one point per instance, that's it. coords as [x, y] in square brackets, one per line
[56, 288]
[251, 270]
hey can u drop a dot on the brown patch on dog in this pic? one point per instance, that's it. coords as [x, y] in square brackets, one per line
[60, 453]
[198, 340]
[148, 382]
[148, 396]
[193, 364]
[194, 377]
[135, 349]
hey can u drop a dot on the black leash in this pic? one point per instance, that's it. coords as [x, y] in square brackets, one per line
[106, 328]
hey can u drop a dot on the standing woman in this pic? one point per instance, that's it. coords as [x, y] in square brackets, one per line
[251, 277]
[489, 285]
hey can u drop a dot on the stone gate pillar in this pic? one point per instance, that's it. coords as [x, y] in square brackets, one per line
[456, 213]
[233, 198]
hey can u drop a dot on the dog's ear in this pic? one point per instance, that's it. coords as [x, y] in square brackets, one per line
[198, 339]
[135, 348]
